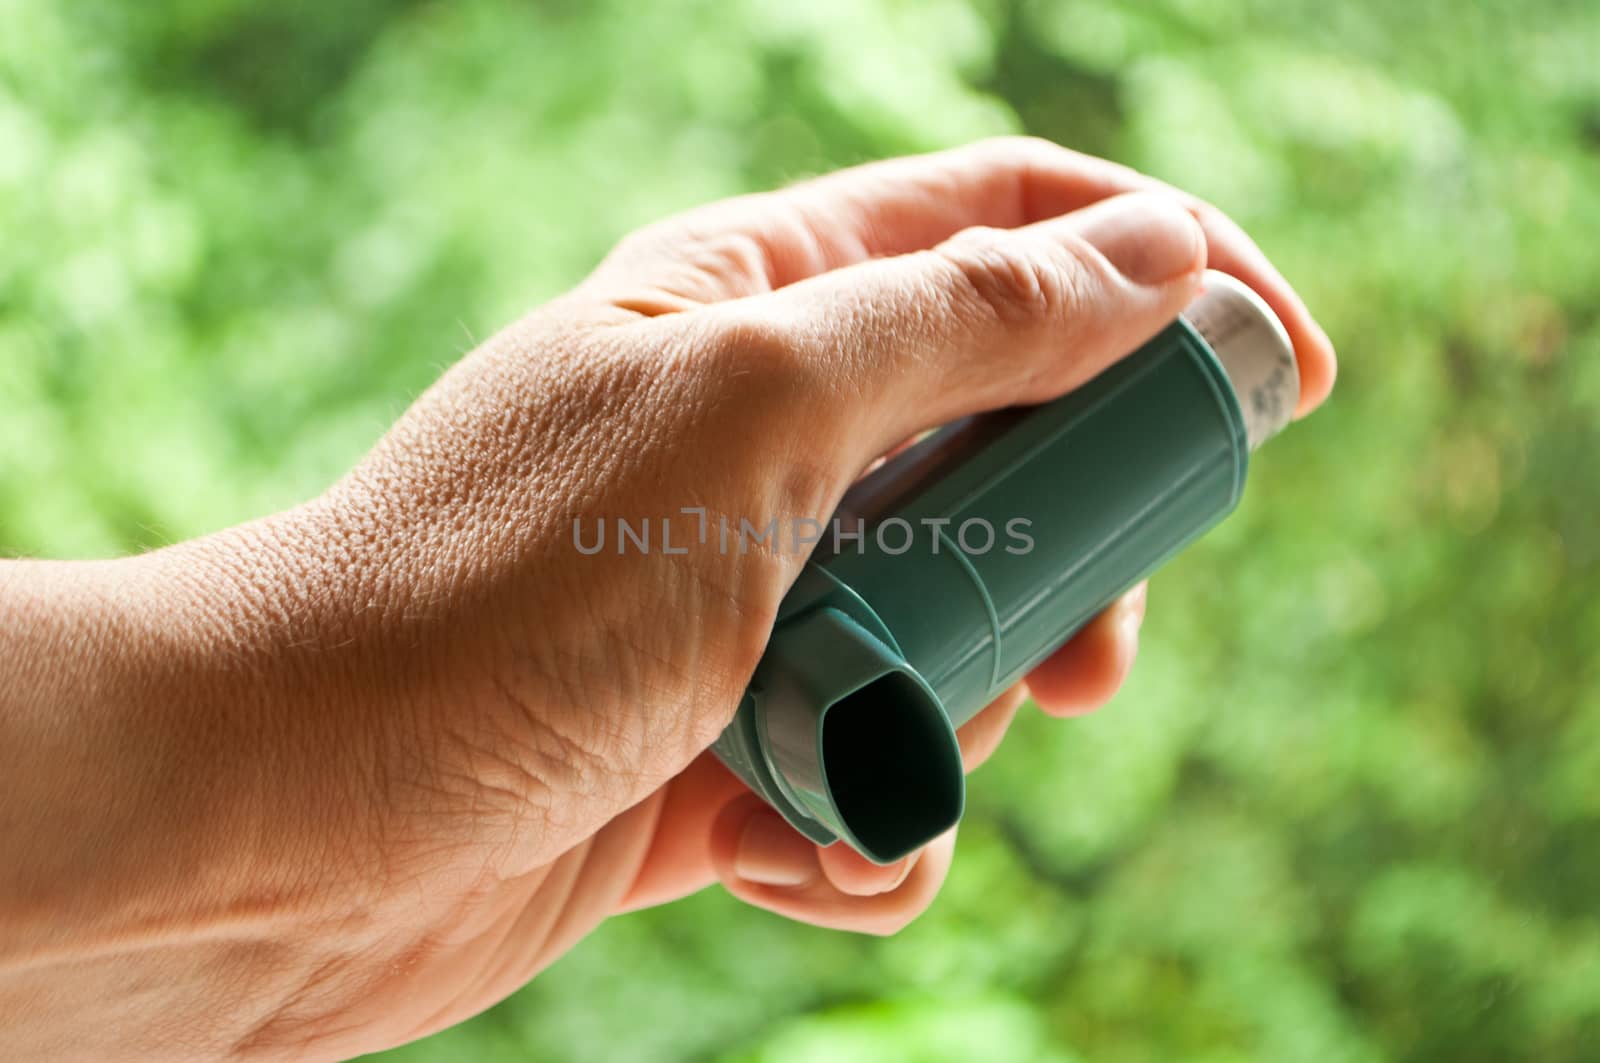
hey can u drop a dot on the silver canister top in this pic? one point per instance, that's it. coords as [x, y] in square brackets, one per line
[1255, 350]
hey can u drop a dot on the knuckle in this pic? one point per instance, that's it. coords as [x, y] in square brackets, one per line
[738, 260]
[728, 234]
[1018, 282]
[753, 383]
[733, 254]
[741, 341]
[768, 368]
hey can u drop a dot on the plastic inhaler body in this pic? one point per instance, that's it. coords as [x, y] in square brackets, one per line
[951, 571]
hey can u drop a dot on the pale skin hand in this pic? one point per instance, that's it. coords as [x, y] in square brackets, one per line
[342, 777]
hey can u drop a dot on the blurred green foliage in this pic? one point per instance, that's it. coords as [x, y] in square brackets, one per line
[1349, 806]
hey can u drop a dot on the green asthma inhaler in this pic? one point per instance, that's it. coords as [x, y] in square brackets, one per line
[950, 571]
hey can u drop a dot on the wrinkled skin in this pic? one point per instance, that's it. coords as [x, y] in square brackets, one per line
[339, 778]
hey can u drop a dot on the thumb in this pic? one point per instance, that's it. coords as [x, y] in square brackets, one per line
[990, 317]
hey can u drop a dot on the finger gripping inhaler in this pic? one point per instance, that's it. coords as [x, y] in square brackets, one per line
[956, 567]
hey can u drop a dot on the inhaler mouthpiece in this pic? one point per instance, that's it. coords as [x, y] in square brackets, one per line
[878, 654]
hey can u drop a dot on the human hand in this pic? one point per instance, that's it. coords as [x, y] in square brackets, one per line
[414, 744]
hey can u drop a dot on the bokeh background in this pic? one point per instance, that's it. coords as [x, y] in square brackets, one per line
[1349, 806]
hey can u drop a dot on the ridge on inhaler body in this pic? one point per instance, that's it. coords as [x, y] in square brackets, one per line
[881, 649]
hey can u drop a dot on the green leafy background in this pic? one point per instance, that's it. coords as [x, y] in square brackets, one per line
[1346, 809]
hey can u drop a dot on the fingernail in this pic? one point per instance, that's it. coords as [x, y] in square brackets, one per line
[903, 872]
[772, 853]
[1150, 238]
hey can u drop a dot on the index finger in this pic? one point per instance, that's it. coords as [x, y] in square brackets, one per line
[913, 203]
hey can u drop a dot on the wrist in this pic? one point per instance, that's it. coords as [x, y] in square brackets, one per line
[178, 805]
[153, 785]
